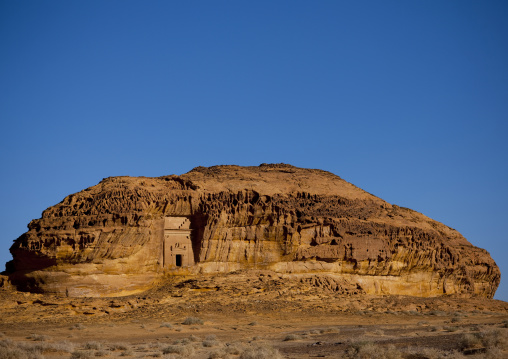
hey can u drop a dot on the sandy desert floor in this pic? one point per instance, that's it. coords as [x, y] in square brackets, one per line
[255, 315]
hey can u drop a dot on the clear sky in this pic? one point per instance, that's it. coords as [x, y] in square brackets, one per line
[405, 99]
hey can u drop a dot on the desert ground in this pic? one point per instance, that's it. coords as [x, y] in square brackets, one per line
[251, 314]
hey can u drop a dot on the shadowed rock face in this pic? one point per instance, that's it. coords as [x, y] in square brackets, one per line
[125, 234]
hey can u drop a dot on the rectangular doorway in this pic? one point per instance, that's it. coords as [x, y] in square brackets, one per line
[178, 259]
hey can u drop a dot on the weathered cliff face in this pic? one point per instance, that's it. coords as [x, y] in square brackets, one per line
[124, 234]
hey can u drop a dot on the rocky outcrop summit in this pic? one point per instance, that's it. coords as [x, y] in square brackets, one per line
[127, 234]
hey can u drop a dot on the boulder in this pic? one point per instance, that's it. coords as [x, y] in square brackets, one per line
[126, 234]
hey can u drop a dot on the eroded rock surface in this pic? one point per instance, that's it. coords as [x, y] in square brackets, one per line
[126, 234]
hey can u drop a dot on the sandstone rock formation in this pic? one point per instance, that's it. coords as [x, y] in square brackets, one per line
[125, 234]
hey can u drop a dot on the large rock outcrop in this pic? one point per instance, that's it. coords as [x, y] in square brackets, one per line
[125, 234]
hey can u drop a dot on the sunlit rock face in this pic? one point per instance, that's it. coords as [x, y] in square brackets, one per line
[126, 234]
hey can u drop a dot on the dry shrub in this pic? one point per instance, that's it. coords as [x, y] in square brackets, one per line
[186, 341]
[155, 346]
[64, 346]
[24, 350]
[38, 337]
[184, 350]
[194, 338]
[489, 339]
[367, 350]
[101, 353]
[39, 348]
[83, 354]
[261, 352]
[193, 321]
[142, 347]
[12, 353]
[210, 341]
[470, 341]
[493, 353]
[6, 343]
[183, 341]
[290, 337]
[118, 346]
[172, 356]
[496, 338]
[218, 354]
[234, 349]
[432, 353]
[93, 346]
[323, 331]
[11, 350]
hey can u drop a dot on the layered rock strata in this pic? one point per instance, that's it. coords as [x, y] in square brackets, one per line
[125, 234]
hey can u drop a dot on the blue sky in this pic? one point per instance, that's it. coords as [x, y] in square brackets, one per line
[407, 100]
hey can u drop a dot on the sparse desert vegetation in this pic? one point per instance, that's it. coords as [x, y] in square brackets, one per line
[349, 341]
[283, 322]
